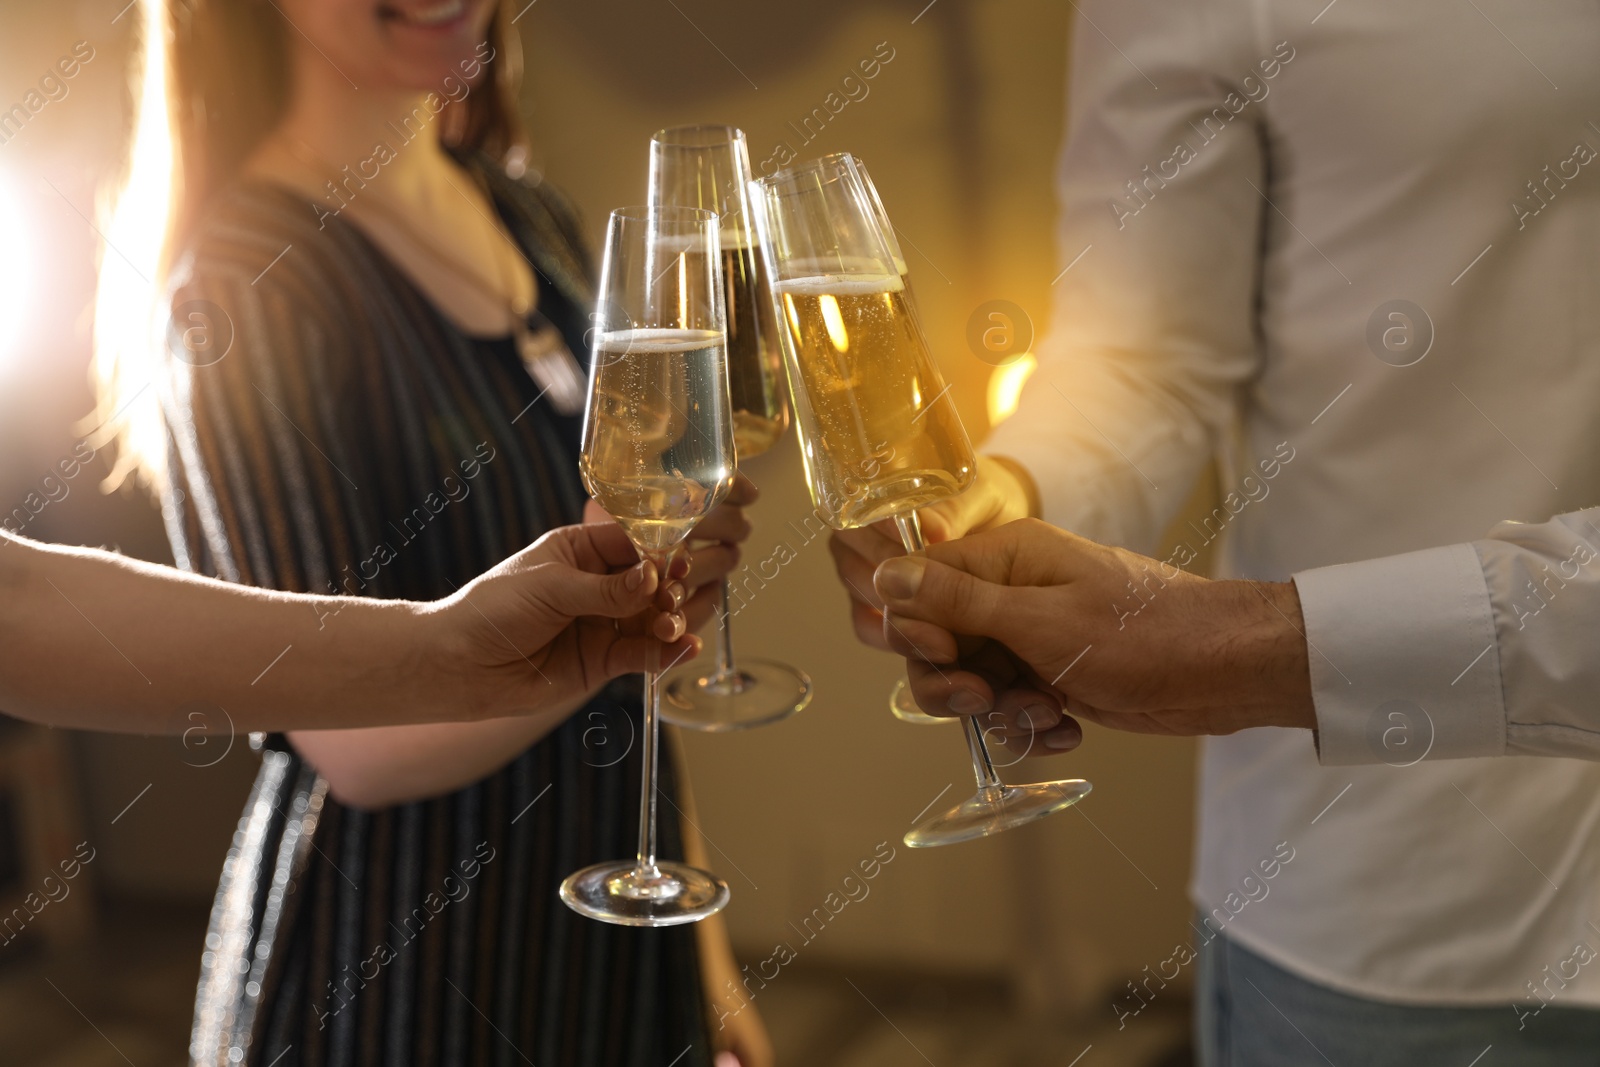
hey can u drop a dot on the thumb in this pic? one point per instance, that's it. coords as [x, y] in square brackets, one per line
[915, 587]
[593, 513]
[956, 516]
[575, 593]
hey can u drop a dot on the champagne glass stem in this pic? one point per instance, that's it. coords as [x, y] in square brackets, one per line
[910, 526]
[982, 767]
[652, 747]
[725, 666]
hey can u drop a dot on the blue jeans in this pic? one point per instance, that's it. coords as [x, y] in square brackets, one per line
[1252, 1013]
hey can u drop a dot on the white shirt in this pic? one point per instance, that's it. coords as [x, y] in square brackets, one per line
[1377, 152]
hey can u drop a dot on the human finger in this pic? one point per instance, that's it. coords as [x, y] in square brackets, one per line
[710, 563]
[634, 654]
[916, 639]
[575, 593]
[725, 522]
[855, 571]
[950, 691]
[921, 588]
[868, 623]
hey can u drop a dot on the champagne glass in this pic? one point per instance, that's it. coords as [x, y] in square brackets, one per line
[901, 703]
[879, 432]
[658, 456]
[845, 159]
[709, 167]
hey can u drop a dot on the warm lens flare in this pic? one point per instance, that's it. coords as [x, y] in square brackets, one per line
[15, 252]
[127, 358]
[1005, 386]
[834, 321]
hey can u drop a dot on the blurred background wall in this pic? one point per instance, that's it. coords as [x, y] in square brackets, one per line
[960, 126]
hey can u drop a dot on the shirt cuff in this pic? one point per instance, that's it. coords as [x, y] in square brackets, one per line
[1404, 662]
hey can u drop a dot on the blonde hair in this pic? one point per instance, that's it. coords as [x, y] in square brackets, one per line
[211, 79]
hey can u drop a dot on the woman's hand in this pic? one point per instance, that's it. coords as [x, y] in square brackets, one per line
[746, 1042]
[560, 619]
[711, 553]
[1002, 492]
[1120, 639]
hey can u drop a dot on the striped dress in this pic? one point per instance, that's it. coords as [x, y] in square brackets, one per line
[349, 438]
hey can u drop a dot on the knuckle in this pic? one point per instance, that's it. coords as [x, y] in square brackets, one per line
[959, 593]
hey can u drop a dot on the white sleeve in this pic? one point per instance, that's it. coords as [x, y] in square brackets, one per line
[1152, 330]
[1483, 649]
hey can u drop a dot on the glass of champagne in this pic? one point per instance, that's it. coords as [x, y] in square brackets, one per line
[658, 456]
[901, 703]
[878, 430]
[709, 167]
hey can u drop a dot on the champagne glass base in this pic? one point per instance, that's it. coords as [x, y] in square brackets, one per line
[755, 693]
[992, 811]
[904, 706]
[666, 894]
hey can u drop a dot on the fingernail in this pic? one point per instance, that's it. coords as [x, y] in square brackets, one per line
[966, 702]
[1061, 738]
[635, 576]
[1037, 717]
[900, 578]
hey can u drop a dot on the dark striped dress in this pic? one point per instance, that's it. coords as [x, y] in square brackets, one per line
[351, 439]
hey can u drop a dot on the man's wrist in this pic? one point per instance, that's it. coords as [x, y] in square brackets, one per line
[1265, 657]
[1025, 490]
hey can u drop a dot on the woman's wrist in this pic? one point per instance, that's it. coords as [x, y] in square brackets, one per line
[406, 661]
[438, 659]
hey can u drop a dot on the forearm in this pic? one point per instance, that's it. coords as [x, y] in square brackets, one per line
[1153, 327]
[97, 641]
[1098, 447]
[383, 766]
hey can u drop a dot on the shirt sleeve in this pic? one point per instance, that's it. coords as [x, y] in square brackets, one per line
[1484, 649]
[1160, 186]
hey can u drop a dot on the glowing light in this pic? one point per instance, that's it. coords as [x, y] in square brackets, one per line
[683, 290]
[126, 351]
[15, 252]
[793, 313]
[834, 321]
[1005, 386]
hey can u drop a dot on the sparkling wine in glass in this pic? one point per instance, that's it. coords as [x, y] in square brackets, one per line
[901, 703]
[658, 456]
[709, 167]
[879, 432]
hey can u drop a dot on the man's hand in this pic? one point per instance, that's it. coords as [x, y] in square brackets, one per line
[1002, 492]
[558, 620]
[1121, 639]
